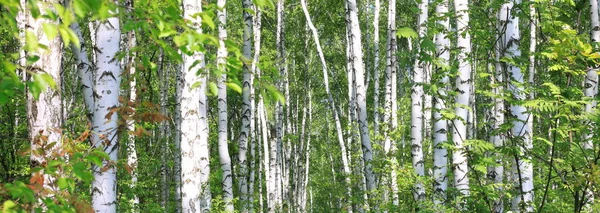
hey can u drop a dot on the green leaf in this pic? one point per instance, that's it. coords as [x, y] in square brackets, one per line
[208, 20]
[31, 41]
[95, 159]
[406, 32]
[63, 183]
[235, 87]
[196, 85]
[44, 80]
[9, 204]
[50, 30]
[213, 88]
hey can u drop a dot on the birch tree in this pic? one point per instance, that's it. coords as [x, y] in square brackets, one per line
[497, 172]
[104, 121]
[195, 192]
[522, 169]
[376, 9]
[356, 54]
[416, 96]
[440, 125]
[590, 83]
[463, 87]
[44, 113]
[247, 108]
[390, 118]
[224, 158]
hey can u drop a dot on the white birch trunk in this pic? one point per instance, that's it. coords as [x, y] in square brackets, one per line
[376, 66]
[591, 84]
[132, 160]
[280, 39]
[497, 173]
[389, 118]
[247, 111]
[107, 80]
[195, 192]
[84, 71]
[417, 118]
[523, 169]
[224, 158]
[44, 115]
[591, 80]
[307, 156]
[463, 86]
[357, 62]
[440, 127]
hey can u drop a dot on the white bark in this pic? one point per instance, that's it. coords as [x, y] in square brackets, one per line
[195, 170]
[440, 127]
[389, 117]
[417, 95]
[330, 101]
[463, 86]
[591, 84]
[247, 112]
[44, 115]
[523, 168]
[591, 80]
[307, 156]
[108, 80]
[376, 66]
[280, 39]
[497, 173]
[132, 159]
[84, 70]
[224, 158]
[356, 54]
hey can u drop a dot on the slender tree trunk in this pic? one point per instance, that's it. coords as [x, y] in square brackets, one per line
[376, 67]
[523, 168]
[307, 155]
[44, 114]
[591, 83]
[195, 170]
[463, 86]
[357, 63]
[132, 159]
[440, 127]
[104, 123]
[389, 118]
[330, 101]
[497, 173]
[417, 119]
[247, 110]
[224, 158]
[279, 128]
[163, 131]
[85, 71]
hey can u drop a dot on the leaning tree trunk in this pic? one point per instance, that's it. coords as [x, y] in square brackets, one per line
[224, 158]
[195, 170]
[332, 106]
[356, 59]
[104, 122]
[463, 86]
[440, 126]
[44, 113]
[417, 117]
[523, 168]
